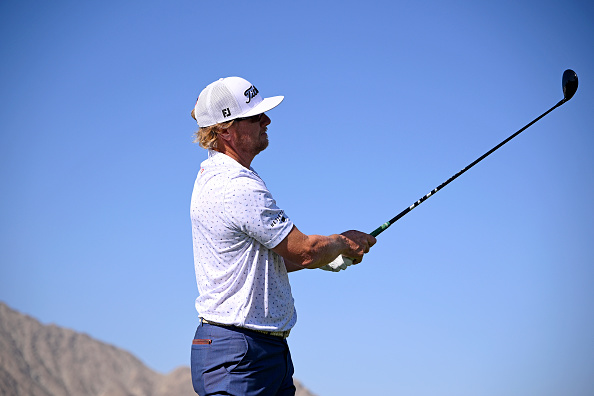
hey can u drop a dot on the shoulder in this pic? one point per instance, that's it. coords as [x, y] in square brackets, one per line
[245, 183]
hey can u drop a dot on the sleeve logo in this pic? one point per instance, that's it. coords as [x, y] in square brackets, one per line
[279, 219]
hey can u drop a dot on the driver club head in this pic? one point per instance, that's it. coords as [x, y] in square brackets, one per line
[569, 83]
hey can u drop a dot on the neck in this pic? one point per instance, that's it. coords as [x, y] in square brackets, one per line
[244, 159]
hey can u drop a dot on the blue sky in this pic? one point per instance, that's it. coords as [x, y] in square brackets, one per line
[485, 289]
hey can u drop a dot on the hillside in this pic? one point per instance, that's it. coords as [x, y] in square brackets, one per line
[47, 360]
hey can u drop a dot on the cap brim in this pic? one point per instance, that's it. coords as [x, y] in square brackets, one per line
[265, 105]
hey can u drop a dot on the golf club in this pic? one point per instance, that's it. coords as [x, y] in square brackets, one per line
[569, 83]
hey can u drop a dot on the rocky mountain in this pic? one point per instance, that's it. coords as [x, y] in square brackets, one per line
[47, 360]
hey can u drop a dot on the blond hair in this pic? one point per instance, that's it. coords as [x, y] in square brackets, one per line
[206, 137]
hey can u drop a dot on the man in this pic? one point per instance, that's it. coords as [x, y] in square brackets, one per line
[244, 246]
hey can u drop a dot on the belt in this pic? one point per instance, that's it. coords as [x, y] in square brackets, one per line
[281, 334]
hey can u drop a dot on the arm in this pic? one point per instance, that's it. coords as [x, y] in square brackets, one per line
[291, 266]
[302, 251]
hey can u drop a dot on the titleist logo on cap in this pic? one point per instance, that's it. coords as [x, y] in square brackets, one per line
[250, 93]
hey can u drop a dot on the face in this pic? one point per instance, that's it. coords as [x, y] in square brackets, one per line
[250, 134]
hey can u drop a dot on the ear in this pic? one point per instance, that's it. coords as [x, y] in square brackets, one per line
[225, 134]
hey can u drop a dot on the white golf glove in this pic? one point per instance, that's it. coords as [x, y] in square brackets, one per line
[340, 263]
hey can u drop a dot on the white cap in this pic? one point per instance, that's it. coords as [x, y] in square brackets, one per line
[230, 98]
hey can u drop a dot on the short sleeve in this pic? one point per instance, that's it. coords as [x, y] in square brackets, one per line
[251, 209]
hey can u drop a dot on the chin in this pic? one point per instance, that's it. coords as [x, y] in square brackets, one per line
[263, 146]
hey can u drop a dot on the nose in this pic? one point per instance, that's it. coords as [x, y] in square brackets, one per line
[265, 120]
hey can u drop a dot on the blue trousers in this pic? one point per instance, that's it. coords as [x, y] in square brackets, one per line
[240, 362]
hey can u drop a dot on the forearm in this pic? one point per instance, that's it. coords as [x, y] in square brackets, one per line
[291, 266]
[314, 251]
[323, 249]
[302, 251]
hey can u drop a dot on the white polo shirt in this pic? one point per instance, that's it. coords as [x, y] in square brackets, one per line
[235, 223]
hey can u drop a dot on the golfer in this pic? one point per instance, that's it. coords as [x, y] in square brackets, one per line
[244, 246]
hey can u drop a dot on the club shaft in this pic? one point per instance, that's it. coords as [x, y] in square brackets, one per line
[384, 226]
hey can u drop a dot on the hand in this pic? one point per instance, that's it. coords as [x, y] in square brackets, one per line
[358, 243]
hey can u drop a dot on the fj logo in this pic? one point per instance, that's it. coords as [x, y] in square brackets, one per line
[226, 112]
[250, 93]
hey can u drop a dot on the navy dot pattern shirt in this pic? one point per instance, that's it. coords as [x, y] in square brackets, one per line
[235, 224]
